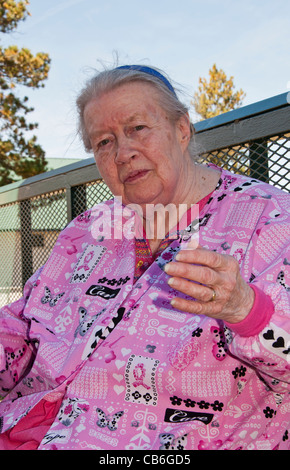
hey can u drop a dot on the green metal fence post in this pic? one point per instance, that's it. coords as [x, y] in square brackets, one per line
[26, 240]
[259, 160]
[78, 200]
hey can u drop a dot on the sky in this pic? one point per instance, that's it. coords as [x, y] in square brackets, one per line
[249, 40]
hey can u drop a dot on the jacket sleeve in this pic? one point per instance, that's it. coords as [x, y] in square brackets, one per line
[17, 349]
[263, 338]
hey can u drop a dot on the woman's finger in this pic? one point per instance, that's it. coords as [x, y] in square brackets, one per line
[204, 257]
[192, 289]
[192, 272]
[210, 309]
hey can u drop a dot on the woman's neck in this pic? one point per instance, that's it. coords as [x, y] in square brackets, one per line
[162, 220]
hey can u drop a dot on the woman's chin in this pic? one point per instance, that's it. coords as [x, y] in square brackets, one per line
[142, 199]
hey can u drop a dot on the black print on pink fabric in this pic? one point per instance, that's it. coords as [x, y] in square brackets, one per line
[103, 333]
[102, 291]
[85, 321]
[140, 376]
[48, 298]
[181, 416]
[281, 280]
[246, 185]
[87, 263]
[111, 422]
[169, 442]
[70, 410]
[279, 342]
[114, 282]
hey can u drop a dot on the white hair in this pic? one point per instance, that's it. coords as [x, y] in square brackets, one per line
[110, 79]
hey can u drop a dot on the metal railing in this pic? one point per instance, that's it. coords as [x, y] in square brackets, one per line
[254, 140]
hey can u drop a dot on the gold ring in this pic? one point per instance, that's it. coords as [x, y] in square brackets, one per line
[213, 295]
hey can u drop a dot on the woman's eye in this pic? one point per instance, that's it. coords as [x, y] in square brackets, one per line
[139, 128]
[103, 143]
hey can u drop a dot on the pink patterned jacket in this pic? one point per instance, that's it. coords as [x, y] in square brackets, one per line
[132, 372]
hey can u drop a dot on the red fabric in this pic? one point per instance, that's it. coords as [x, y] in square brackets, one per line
[30, 430]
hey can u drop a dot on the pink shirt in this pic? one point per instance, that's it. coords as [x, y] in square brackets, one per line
[129, 371]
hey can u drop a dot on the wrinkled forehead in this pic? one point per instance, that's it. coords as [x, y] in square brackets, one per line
[126, 102]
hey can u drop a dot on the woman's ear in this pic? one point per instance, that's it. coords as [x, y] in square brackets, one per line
[184, 131]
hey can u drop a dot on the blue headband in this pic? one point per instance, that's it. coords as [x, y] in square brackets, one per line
[150, 71]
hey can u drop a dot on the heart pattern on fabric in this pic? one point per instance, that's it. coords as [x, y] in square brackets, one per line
[269, 334]
[278, 342]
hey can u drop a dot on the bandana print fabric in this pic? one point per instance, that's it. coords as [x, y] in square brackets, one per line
[130, 372]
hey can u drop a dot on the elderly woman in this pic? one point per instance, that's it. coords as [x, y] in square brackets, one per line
[177, 340]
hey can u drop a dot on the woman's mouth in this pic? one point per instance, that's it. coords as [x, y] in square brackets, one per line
[135, 175]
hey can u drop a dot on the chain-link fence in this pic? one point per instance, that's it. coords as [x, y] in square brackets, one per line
[29, 230]
[265, 159]
[31, 218]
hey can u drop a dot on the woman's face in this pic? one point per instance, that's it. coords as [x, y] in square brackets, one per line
[140, 154]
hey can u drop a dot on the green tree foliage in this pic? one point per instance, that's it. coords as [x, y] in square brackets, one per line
[20, 157]
[216, 95]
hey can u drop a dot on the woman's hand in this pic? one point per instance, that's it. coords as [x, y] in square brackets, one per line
[214, 282]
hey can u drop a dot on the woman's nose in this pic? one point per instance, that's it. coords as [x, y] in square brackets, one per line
[125, 150]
